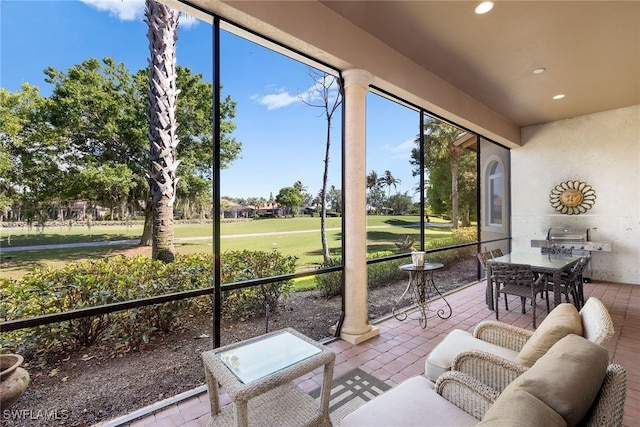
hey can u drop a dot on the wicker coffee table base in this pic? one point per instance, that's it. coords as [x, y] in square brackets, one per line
[284, 406]
[270, 399]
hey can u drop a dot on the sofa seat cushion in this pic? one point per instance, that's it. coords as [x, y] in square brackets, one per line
[567, 379]
[457, 341]
[562, 321]
[412, 403]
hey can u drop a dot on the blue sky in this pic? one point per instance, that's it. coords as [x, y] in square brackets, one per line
[283, 139]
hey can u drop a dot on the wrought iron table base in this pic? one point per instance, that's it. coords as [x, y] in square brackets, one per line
[422, 289]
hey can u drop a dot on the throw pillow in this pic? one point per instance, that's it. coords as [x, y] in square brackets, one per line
[522, 409]
[562, 321]
[567, 378]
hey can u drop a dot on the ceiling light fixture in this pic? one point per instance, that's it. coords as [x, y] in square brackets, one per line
[484, 7]
[539, 70]
[559, 96]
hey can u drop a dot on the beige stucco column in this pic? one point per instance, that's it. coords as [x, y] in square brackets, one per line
[356, 327]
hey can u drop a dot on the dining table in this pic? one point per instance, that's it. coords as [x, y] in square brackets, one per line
[552, 265]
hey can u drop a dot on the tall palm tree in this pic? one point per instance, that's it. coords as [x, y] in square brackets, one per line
[372, 180]
[442, 142]
[162, 34]
[389, 180]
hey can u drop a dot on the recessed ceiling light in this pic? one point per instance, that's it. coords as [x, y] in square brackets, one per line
[559, 96]
[539, 70]
[484, 7]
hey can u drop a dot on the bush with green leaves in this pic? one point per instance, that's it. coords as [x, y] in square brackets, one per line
[330, 284]
[117, 279]
[239, 266]
[95, 283]
[458, 236]
[381, 274]
[378, 274]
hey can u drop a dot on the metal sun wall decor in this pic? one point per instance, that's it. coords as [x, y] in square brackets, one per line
[572, 197]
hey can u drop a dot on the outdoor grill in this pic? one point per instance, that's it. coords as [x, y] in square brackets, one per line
[573, 242]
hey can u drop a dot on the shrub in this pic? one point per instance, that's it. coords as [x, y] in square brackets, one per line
[330, 284]
[93, 283]
[378, 274]
[381, 274]
[98, 282]
[465, 234]
[238, 266]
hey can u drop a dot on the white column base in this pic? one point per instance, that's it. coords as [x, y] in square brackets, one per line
[358, 338]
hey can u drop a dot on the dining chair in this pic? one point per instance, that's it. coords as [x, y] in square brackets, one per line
[483, 257]
[572, 283]
[495, 253]
[518, 280]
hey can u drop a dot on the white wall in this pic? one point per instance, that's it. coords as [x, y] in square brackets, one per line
[600, 149]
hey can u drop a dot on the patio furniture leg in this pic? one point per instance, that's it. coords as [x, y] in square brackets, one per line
[212, 387]
[533, 298]
[497, 303]
[242, 414]
[326, 392]
[489, 294]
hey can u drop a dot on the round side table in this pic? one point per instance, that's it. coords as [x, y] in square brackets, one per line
[422, 289]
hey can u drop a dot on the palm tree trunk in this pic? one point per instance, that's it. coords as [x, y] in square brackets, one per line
[455, 163]
[147, 231]
[163, 94]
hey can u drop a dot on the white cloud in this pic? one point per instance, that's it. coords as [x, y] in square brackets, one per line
[314, 94]
[401, 151]
[125, 10]
[279, 97]
[187, 21]
[273, 101]
[129, 10]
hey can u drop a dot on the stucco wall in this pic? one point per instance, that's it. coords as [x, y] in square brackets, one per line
[602, 150]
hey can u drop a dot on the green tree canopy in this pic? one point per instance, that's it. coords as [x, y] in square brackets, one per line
[31, 151]
[95, 116]
[291, 198]
[104, 185]
[443, 149]
[400, 203]
[375, 194]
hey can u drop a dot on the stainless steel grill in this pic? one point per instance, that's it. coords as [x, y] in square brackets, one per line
[573, 242]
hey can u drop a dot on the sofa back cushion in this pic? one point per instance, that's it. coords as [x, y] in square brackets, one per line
[567, 379]
[562, 321]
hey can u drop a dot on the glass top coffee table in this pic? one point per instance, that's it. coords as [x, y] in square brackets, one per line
[261, 370]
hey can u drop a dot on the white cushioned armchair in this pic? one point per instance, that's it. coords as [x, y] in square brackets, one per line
[572, 384]
[521, 346]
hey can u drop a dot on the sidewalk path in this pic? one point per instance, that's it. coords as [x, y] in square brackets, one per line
[4, 249]
[68, 245]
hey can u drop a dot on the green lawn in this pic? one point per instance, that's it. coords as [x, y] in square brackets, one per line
[25, 236]
[291, 236]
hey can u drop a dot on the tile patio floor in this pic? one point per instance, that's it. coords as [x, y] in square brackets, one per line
[400, 350]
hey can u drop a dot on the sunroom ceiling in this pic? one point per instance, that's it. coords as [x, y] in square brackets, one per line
[590, 51]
